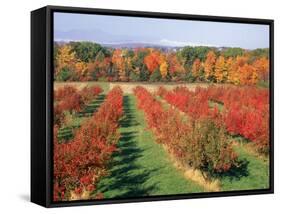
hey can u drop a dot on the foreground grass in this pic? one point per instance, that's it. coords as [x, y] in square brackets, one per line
[254, 174]
[141, 167]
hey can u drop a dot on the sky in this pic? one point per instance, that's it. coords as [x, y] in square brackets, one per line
[119, 29]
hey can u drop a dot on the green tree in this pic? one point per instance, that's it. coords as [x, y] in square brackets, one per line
[232, 52]
[155, 76]
[87, 51]
[64, 74]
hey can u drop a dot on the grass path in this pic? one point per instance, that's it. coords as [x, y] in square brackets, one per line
[141, 167]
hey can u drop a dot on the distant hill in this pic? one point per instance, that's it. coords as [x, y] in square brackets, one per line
[140, 45]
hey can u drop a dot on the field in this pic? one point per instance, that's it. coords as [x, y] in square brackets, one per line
[123, 140]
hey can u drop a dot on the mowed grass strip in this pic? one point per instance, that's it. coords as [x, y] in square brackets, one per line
[141, 167]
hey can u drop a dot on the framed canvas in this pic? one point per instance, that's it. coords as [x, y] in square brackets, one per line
[131, 106]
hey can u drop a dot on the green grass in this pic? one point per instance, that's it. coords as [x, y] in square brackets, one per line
[253, 175]
[213, 104]
[141, 167]
[263, 84]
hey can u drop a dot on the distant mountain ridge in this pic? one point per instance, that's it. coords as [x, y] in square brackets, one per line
[129, 45]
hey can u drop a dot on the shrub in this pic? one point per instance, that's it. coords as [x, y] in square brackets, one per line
[200, 143]
[208, 149]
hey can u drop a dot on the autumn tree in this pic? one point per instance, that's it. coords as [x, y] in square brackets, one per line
[262, 67]
[152, 61]
[65, 61]
[176, 68]
[81, 69]
[241, 60]
[163, 66]
[232, 73]
[65, 57]
[220, 69]
[196, 67]
[119, 63]
[209, 65]
[247, 75]
[235, 70]
[139, 70]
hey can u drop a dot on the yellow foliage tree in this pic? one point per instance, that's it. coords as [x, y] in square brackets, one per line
[65, 58]
[262, 67]
[119, 63]
[220, 69]
[196, 66]
[81, 69]
[232, 74]
[247, 75]
[209, 65]
[164, 69]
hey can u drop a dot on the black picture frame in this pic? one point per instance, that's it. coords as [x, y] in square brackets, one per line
[42, 94]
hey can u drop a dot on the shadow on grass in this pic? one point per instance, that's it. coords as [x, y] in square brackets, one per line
[237, 172]
[127, 177]
[92, 107]
[129, 120]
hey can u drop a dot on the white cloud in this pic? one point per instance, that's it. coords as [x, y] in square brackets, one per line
[181, 43]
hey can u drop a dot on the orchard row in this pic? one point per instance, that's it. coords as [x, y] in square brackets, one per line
[80, 163]
[200, 143]
[244, 111]
[70, 99]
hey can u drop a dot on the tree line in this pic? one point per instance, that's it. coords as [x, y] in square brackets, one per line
[87, 61]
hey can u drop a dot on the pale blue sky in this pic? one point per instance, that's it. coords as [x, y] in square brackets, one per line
[118, 29]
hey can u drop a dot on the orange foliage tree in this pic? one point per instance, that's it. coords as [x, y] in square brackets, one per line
[81, 69]
[262, 66]
[220, 69]
[175, 66]
[119, 63]
[163, 66]
[196, 66]
[209, 65]
[248, 75]
[152, 61]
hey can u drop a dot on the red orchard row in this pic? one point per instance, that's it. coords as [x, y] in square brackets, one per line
[69, 98]
[245, 109]
[195, 104]
[246, 112]
[79, 164]
[199, 144]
